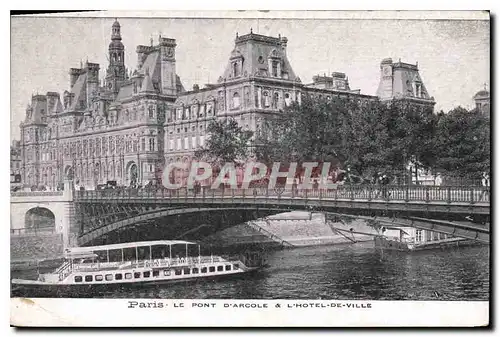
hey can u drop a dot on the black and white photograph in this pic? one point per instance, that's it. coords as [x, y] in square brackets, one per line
[307, 168]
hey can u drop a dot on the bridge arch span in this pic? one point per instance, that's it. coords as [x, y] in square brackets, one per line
[178, 223]
[194, 223]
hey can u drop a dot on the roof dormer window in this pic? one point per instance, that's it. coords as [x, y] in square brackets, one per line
[235, 69]
[418, 89]
[275, 68]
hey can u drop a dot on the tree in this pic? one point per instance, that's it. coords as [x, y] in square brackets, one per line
[227, 143]
[367, 136]
[308, 132]
[463, 143]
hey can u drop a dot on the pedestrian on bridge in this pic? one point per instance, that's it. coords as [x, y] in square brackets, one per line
[438, 181]
[384, 181]
[485, 182]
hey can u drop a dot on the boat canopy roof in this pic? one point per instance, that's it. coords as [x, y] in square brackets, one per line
[79, 255]
[80, 250]
[396, 228]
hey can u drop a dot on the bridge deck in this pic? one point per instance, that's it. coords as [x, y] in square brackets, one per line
[470, 200]
[450, 194]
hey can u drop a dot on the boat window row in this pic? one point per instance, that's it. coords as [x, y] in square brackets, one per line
[156, 273]
[154, 252]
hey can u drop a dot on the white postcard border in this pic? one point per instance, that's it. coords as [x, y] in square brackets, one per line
[80, 312]
[246, 313]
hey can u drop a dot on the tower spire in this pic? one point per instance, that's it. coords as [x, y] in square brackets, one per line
[115, 31]
[116, 71]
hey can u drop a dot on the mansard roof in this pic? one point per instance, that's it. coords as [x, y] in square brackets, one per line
[147, 84]
[179, 85]
[255, 50]
[126, 91]
[80, 91]
[37, 110]
[153, 66]
[200, 96]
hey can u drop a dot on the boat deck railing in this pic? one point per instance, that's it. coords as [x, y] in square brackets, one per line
[64, 270]
[412, 240]
[165, 262]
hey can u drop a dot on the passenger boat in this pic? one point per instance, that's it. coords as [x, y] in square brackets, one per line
[413, 239]
[408, 239]
[137, 263]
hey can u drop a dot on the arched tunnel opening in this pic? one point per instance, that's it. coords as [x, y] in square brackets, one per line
[39, 219]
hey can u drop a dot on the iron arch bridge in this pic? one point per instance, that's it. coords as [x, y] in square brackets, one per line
[193, 214]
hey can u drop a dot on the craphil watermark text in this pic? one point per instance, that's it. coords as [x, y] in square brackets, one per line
[242, 176]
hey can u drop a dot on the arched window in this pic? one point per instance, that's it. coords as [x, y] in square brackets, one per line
[151, 111]
[266, 99]
[151, 144]
[276, 98]
[143, 144]
[210, 109]
[236, 100]
[287, 99]
[235, 69]
[98, 146]
[97, 170]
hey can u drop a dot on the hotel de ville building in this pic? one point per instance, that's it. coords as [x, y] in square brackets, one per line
[127, 126]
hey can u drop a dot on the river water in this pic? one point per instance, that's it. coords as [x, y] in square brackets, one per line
[358, 271]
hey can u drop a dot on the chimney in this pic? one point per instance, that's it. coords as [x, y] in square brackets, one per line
[284, 42]
[74, 73]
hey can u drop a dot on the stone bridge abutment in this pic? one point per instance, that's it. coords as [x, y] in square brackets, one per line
[59, 203]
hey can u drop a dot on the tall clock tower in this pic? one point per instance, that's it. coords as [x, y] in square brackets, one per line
[115, 73]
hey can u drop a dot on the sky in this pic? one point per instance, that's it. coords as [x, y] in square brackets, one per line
[453, 55]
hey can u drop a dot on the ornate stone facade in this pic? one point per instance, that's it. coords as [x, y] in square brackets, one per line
[129, 127]
[100, 133]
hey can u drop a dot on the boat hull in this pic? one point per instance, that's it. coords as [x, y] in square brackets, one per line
[93, 290]
[388, 244]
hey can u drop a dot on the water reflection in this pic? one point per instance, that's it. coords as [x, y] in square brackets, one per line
[345, 272]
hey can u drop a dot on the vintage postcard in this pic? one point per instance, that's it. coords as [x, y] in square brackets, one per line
[250, 168]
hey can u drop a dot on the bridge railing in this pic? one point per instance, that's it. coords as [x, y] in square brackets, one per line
[410, 193]
[37, 194]
[33, 231]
